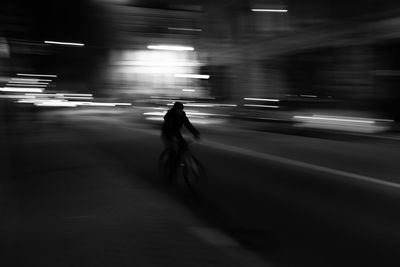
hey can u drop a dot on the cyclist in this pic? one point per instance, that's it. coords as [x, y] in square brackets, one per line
[171, 129]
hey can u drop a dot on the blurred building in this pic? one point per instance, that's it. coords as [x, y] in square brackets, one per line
[314, 54]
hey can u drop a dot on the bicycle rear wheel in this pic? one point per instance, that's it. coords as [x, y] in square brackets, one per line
[195, 175]
[166, 166]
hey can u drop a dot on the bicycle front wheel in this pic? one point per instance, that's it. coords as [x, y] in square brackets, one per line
[195, 175]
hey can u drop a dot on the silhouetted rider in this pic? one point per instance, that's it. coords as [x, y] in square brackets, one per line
[171, 129]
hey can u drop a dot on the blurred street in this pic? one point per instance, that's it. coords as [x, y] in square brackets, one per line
[290, 109]
[87, 192]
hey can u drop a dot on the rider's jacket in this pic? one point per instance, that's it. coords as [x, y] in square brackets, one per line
[173, 121]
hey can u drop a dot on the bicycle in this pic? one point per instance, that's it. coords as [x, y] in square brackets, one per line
[172, 160]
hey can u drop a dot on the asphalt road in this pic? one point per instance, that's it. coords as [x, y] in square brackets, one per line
[295, 201]
[298, 201]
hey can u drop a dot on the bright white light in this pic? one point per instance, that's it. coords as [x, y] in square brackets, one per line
[28, 94]
[17, 96]
[68, 94]
[205, 105]
[261, 99]
[333, 119]
[25, 85]
[36, 75]
[170, 47]
[269, 10]
[29, 101]
[30, 80]
[64, 43]
[154, 113]
[159, 63]
[155, 118]
[226, 105]
[192, 76]
[357, 118]
[56, 104]
[261, 106]
[308, 95]
[100, 104]
[123, 104]
[184, 29]
[206, 114]
[21, 90]
[194, 105]
[188, 90]
[76, 97]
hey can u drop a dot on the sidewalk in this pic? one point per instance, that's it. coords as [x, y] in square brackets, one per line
[71, 206]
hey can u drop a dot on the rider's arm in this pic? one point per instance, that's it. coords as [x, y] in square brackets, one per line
[190, 127]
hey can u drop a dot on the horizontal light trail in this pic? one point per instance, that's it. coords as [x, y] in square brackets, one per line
[64, 43]
[37, 75]
[71, 94]
[269, 10]
[170, 47]
[282, 160]
[333, 119]
[154, 113]
[28, 82]
[312, 96]
[26, 85]
[301, 164]
[260, 106]
[356, 118]
[192, 76]
[30, 79]
[56, 104]
[21, 90]
[17, 96]
[76, 97]
[185, 29]
[261, 99]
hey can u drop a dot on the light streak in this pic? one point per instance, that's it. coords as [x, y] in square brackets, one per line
[192, 76]
[261, 99]
[170, 47]
[64, 43]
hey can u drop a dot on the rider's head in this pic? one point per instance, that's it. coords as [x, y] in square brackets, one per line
[178, 106]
